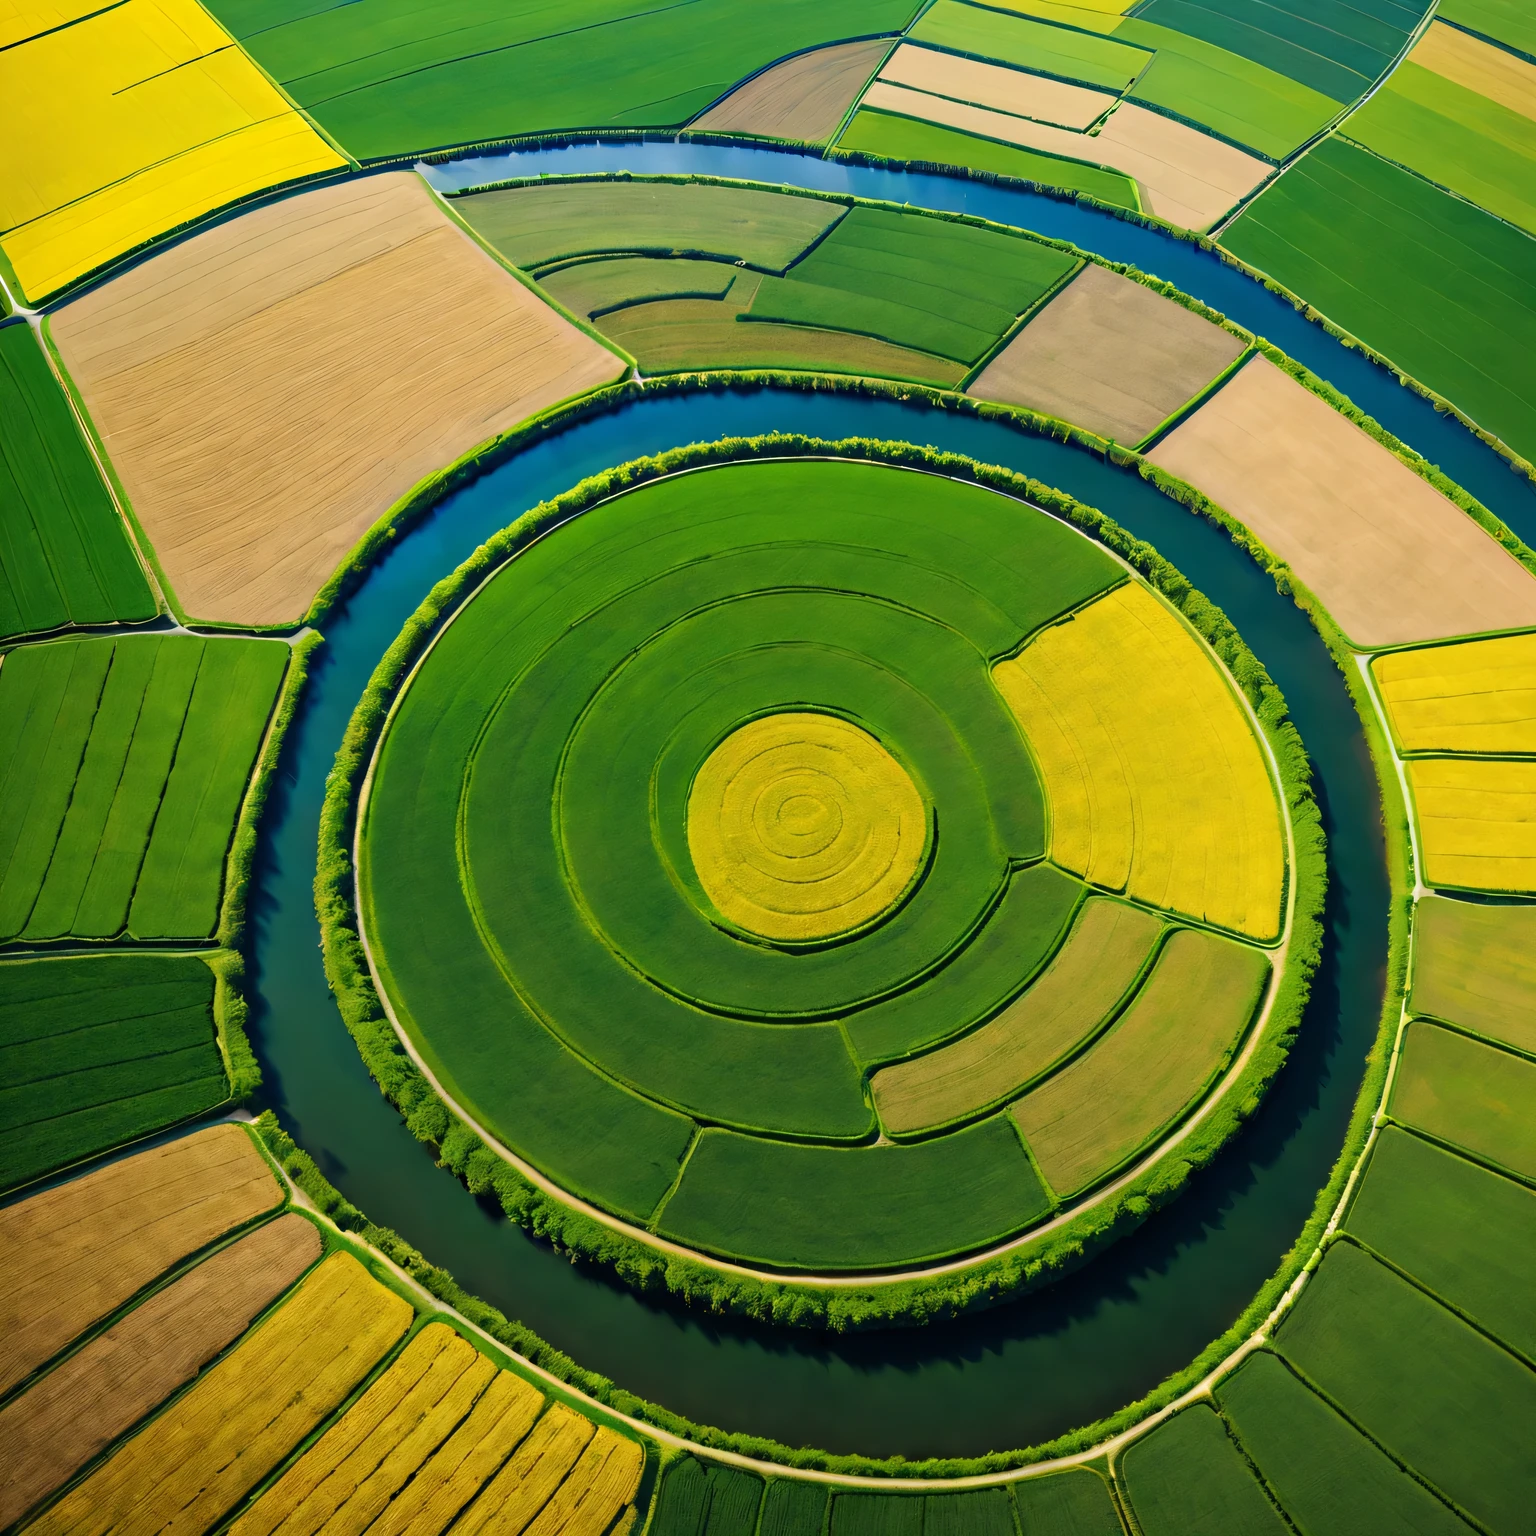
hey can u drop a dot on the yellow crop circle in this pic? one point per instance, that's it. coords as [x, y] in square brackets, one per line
[802, 826]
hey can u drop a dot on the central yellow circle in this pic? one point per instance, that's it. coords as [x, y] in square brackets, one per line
[802, 826]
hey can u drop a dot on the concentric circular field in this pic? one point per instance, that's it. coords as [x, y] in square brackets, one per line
[822, 865]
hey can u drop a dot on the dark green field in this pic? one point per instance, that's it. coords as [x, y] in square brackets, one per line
[65, 557]
[1446, 291]
[123, 765]
[96, 1051]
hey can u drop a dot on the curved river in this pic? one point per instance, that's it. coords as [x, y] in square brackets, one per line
[1023, 1372]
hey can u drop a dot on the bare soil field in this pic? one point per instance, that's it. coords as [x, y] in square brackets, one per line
[76, 1411]
[1186, 176]
[81, 1250]
[802, 98]
[1108, 354]
[268, 389]
[1389, 557]
[997, 87]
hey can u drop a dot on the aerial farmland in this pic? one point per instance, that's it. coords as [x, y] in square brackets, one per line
[768, 771]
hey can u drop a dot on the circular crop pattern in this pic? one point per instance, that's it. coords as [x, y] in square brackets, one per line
[822, 865]
[802, 826]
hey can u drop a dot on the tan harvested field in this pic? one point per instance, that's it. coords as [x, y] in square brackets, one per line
[1103, 954]
[194, 1463]
[1492, 72]
[1186, 176]
[1108, 354]
[1156, 782]
[1477, 822]
[268, 389]
[1179, 1031]
[682, 334]
[1479, 696]
[79, 1251]
[1390, 558]
[74, 1412]
[996, 86]
[804, 97]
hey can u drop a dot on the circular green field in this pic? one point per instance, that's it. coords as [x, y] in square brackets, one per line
[704, 865]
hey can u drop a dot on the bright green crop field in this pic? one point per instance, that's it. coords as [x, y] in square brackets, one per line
[123, 764]
[1033, 45]
[388, 77]
[541, 780]
[1446, 291]
[99, 1050]
[65, 557]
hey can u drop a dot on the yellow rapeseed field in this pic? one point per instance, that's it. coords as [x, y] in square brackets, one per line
[1157, 784]
[194, 1463]
[802, 825]
[1477, 822]
[128, 123]
[1479, 696]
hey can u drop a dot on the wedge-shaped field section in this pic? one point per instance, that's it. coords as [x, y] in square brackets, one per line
[1430, 1390]
[1506, 21]
[443, 1435]
[84, 1248]
[1390, 558]
[1064, 53]
[1474, 965]
[1144, 800]
[805, 98]
[65, 554]
[1477, 821]
[53, 1430]
[123, 767]
[1463, 113]
[996, 87]
[1445, 290]
[243, 1417]
[288, 368]
[1111, 355]
[389, 77]
[99, 1050]
[1478, 697]
[710, 809]
[129, 121]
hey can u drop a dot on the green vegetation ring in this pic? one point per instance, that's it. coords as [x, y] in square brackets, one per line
[823, 867]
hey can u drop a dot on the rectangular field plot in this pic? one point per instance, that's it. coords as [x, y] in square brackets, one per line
[76, 1411]
[1066, 1504]
[1326, 1474]
[97, 1051]
[81, 1249]
[695, 1498]
[1477, 821]
[1187, 1478]
[302, 368]
[897, 137]
[1105, 951]
[1468, 1094]
[1144, 804]
[803, 99]
[1462, 1232]
[793, 1508]
[1439, 115]
[124, 764]
[929, 284]
[467, 71]
[1178, 1033]
[876, 1514]
[1507, 21]
[1108, 354]
[205, 1453]
[854, 1207]
[991, 85]
[127, 123]
[1474, 964]
[1475, 697]
[1447, 291]
[536, 225]
[1389, 557]
[1438, 1396]
[65, 555]
[1068, 55]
